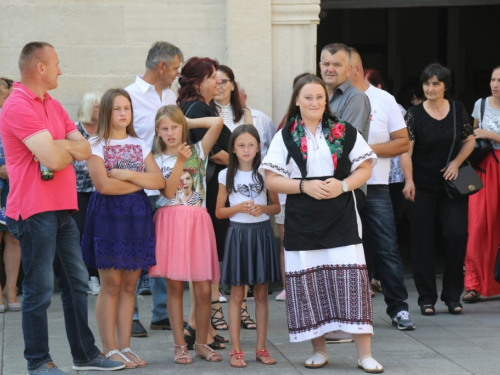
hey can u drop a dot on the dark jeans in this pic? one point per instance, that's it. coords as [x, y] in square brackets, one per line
[50, 245]
[453, 217]
[381, 246]
[79, 217]
[158, 288]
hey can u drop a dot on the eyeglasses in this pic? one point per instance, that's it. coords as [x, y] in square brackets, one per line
[223, 82]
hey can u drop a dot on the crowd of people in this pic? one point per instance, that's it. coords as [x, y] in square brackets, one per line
[184, 187]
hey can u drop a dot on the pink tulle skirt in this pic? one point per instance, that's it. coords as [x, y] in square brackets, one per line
[185, 245]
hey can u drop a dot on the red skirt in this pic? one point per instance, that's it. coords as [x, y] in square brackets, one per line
[484, 231]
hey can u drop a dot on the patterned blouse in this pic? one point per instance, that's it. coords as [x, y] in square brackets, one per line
[83, 182]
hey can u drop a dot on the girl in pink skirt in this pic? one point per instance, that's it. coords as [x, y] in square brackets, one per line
[185, 240]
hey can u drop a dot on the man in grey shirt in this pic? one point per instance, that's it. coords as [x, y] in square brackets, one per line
[351, 105]
[347, 102]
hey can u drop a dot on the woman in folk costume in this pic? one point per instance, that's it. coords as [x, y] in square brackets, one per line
[318, 160]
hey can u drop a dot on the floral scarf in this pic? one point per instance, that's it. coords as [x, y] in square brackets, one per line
[334, 136]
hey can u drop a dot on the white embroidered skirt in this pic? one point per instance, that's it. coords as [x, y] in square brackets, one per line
[327, 290]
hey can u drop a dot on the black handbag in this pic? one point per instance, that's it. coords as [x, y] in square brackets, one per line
[467, 181]
[483, 146]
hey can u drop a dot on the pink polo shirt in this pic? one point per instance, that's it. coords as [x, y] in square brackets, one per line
[24, 115]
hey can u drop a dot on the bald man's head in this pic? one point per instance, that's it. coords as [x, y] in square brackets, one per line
[357, 77]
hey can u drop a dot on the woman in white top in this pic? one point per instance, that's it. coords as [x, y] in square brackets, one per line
[484, 207]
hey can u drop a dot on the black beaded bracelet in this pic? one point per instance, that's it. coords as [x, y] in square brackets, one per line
[301, 186]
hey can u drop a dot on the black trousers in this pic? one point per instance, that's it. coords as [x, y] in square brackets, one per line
[453, 217]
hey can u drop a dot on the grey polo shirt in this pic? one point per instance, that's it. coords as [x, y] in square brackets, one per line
[352, 105]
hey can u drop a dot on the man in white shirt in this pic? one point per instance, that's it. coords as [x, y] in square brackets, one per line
[261, 121]
[149, 93]
[388, 137]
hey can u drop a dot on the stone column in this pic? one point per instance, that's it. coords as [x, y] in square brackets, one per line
[248, 33]
[294, 39]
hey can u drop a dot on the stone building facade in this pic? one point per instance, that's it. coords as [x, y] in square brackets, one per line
[103, 43]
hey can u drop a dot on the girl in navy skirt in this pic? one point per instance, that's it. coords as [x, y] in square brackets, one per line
[119, 238]
[250, 255]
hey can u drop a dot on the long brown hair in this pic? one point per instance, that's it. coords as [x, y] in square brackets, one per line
[233, 159]
[175, 114]
[294, 109]
[106, 113]
[235, 95]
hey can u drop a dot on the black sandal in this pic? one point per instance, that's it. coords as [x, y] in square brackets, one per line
[218, 322]
[453, 306]
[191, 338]
[221, 339]
[424, 308]
[471, 296]
[246, 321]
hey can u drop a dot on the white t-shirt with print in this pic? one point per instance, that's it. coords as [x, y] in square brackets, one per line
[245, 188]
[192, 185]
[491, 119]
[385, 119]
[128, 153]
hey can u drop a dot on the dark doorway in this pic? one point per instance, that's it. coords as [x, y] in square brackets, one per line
[400, 42]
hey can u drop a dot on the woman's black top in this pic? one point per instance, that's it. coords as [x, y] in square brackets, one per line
[432, 145]
[198, 109]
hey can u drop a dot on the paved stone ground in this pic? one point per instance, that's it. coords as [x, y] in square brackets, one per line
[443, 344]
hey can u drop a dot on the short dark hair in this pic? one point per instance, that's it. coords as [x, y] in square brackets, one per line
[333, 48]
[29, 51]
[442, 73]
[193, 73]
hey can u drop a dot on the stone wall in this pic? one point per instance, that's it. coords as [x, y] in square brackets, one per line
[104, 43]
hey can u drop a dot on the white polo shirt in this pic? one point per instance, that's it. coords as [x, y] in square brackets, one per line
[265, 128]
[146, 102]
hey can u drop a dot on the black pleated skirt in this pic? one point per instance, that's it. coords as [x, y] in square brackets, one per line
[250, 255]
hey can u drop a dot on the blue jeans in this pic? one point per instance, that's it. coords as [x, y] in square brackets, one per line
[381, 246]
[50, 244]
[159, 293]
[158, 288]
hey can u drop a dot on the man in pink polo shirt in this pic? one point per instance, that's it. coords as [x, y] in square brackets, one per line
[36, 130]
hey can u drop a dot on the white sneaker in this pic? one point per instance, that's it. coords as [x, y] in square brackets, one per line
[94, 286]
[281, 296]
[222, 298]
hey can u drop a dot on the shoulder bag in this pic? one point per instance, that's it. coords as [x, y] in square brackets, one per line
[483, 146]
[467, 181]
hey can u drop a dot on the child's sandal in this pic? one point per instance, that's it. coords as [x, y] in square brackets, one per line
[264, 357]
[240, 356]
[128, 362]
[210, 354]
[183, 358]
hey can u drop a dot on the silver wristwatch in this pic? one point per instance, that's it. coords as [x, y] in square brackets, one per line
[345, 187]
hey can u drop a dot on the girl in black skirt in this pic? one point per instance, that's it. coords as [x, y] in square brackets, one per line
[250, 255]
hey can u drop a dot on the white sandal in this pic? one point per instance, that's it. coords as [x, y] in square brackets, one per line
[128, 350]
[370, 365]
[318, 360]
[128, 362]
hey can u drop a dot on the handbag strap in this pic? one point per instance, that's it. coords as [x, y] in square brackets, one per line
[483, 105]
[454, 132]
